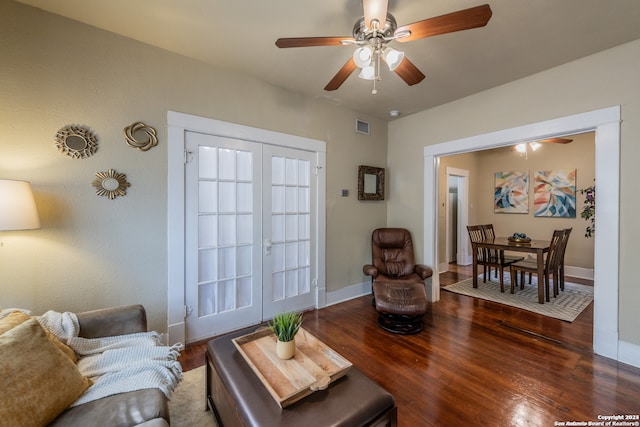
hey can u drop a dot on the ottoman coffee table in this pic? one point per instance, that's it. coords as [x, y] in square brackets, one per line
[237, 396]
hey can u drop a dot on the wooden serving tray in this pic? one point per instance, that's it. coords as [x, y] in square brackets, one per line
[314, 366]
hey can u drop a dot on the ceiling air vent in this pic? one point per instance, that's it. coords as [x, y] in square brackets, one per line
[362, 126]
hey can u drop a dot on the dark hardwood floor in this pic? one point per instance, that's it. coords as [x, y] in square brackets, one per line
[477, 363]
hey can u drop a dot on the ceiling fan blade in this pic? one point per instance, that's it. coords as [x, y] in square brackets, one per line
[311, 41]
[556, 140]
[341, 76]
[409, 72]
[456, 21]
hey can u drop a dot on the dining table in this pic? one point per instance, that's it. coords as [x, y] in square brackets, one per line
[536, 247]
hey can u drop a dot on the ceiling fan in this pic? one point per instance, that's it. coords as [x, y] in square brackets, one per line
[523, 148]
[377, 28]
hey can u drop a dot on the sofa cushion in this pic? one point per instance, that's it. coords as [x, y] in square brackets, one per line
[18, 317]
[37, 380]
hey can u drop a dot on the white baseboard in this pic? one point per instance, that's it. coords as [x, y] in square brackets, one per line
[629, 353]
[347, 293]
[175, 333]
[579, 272]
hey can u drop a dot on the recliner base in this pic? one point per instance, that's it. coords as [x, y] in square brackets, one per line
[400, 324]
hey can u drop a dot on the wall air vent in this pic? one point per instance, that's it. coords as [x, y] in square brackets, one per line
[362, 126]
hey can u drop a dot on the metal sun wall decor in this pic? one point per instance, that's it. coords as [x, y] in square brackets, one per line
[111, 184]
[511, 192]
[555, 193]
[76, 142]
[140, 136]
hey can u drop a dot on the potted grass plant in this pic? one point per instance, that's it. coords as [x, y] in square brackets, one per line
[285, 326]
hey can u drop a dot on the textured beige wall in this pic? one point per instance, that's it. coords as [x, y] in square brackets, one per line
[93, 252]
[579, 155]
[609, 78]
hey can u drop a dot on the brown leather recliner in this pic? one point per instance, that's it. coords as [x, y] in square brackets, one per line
[397, 281]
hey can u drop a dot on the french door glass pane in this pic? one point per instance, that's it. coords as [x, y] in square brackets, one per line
[227, 164]
[244, 228]
[207, 262]
[227, 196]
[244, 285]
[207, 196]
[208, 230]
[207, 299]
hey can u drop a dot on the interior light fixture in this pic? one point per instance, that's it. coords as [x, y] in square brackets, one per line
[375, 13]
[524, 148]
[17, 206]
[392, 57]
[367, 58]
[363, 56]
[368, 72]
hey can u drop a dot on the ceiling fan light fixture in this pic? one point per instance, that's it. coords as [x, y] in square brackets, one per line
[535, 145]
[392, 57]
[362, 56]
[521, 148]
[368, 72]
[375, 11]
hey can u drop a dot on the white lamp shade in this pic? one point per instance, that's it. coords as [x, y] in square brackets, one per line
[375, 10]
[362, 56]
[17, 206]
[392, 57]
[368, 73]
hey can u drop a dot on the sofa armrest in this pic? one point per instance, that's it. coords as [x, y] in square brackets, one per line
[113, 321]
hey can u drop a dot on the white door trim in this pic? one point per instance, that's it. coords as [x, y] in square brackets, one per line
[178, 124]
[606, 124]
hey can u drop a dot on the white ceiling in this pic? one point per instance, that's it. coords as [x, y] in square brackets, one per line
[522, 37]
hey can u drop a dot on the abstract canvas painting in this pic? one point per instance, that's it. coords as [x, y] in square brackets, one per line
[555, 193]
[511, 193]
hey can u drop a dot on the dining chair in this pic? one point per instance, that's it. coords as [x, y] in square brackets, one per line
[486, 257]
[565, 241]
[558, 285]
[531, 266]
[489, 233]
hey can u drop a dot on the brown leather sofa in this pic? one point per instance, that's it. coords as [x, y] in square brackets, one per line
[143, 407]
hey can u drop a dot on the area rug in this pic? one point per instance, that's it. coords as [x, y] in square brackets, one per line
[187, 407]
[566, 306]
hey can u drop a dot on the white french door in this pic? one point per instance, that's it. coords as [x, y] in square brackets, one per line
[289, 212]
[249, 215]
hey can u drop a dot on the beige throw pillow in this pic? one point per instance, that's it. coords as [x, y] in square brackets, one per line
[18, 317]
[37, 381]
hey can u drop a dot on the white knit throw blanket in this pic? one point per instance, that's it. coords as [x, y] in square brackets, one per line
[118, 364]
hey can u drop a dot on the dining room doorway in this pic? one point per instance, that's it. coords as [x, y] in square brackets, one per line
[606, 125]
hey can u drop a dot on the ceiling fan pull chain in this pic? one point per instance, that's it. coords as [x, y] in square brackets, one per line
[377, 72]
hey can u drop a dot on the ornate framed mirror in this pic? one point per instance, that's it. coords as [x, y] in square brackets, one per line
[370, 183]
[140, 136]
[76, 142]
[111, 184]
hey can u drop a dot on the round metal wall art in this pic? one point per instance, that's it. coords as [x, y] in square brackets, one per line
[111, 184]
[140, 136]
[76, 142]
